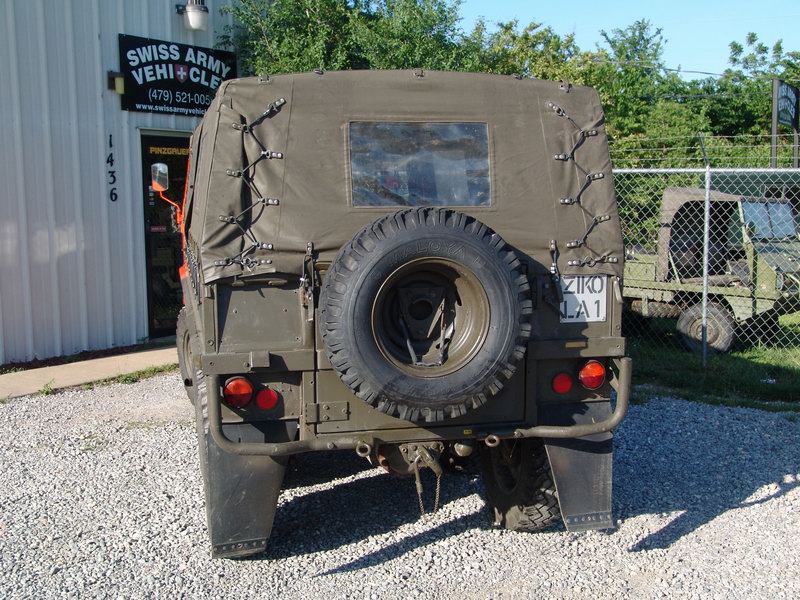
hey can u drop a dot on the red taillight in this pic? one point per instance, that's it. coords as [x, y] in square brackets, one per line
[562, 383]
[237, 392]
[592, 375]
[267, 399]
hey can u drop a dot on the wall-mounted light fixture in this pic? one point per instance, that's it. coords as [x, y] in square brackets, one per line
[195, 15]
[115, 81]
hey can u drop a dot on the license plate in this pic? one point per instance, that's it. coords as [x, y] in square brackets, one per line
[585, 298]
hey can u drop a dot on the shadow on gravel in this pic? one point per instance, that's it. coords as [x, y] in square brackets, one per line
[315, 468]
[471, 521]
[701, 462]
[352, 511]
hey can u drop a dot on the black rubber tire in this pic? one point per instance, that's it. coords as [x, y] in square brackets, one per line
[200, 402]
[524, 497]
[721, 327]
[187, 351]
[354, 280]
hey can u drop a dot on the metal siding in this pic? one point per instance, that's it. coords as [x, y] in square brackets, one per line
[15, 277]
[72, 263]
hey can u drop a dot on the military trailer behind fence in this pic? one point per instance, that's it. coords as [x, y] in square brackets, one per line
[421, 267]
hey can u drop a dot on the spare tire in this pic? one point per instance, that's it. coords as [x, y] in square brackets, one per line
[425, 313]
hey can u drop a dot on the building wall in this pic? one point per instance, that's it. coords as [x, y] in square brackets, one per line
[72, 263]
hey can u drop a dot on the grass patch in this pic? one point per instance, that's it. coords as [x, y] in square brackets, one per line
[48, 388]
[134, 425]
[91, 443]
[137, 376]
[756, 376]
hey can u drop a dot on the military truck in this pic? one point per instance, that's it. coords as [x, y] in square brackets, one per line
[415, 266]
[753, 266]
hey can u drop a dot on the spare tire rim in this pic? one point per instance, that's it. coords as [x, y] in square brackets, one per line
[433, 310]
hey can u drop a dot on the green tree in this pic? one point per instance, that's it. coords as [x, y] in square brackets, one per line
[530, 51]
[404, 34]
[756, 59]
[279, 36]
[630, 76]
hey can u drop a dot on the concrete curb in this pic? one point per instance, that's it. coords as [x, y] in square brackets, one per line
[57, 377]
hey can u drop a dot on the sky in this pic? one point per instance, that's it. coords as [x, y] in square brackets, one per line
[697, 33]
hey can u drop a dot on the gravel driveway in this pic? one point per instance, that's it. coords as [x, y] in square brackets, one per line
[100, 495]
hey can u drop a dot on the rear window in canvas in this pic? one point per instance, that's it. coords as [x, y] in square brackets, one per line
[419, 164]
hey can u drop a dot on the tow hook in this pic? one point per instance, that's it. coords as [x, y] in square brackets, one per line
[492, 440]
[363, 449]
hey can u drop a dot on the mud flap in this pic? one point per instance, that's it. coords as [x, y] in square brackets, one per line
[581, 467]
[241, 491]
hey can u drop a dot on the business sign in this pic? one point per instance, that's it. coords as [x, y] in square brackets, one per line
[166, 77]
[788, 99]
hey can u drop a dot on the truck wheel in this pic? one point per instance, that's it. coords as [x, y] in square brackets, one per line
[187, 351]
[200, 402]
[721, 327]
[519, 485]
[425, 313]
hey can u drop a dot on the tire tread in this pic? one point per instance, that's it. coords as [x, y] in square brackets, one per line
[345, 266]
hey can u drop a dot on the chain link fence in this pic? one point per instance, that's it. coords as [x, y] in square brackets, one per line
[712, 263]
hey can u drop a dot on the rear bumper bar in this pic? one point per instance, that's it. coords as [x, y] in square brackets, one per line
[349, 442]
[623, 389]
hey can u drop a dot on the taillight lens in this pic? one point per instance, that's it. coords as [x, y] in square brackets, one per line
[592, 375]
[238, 392]
[267, 399]
[562, 383]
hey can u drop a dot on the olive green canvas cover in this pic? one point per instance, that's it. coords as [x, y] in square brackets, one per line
[547, 142]
[672, 201]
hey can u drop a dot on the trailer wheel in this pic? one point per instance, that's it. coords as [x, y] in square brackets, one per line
[721, 327]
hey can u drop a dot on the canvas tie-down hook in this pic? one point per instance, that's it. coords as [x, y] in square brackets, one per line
[247, 172]
[590, 261]
[586, 183]
[589, 177]
[595, 220]
[582, 133]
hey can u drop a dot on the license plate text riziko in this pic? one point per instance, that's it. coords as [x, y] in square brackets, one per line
[584, 298]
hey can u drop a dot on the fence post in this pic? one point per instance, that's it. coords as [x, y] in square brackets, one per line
[706, 234]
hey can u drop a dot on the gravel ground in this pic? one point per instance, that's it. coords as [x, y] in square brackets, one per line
[100, 495]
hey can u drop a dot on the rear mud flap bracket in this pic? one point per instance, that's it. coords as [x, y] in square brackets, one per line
[581, 470]
[241, 491]
[241, 499]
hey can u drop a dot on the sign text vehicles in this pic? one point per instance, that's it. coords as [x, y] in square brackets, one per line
[168, 77]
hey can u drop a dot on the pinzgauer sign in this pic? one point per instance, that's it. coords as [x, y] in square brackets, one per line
[167, 77]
